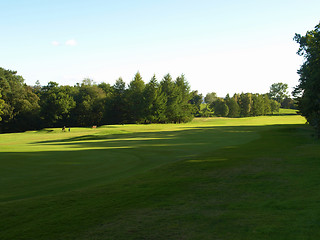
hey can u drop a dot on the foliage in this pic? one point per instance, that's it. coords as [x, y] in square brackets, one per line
[135, 100]
[1, 105]
[90, 104]
[288, 103]
[177, 97]
[184, 111]
[245, 102]
[275, 106]
[206, 111]
[155, 102]
[220, 107]
[257, 105]
[279, 91]
[308, 89]
[18, 105]
[210, 98]
[56, 103]
[267, 104]
[234, 108]
[196, 101]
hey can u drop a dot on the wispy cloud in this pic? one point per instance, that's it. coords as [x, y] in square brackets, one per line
[55, 43]
[71, 42]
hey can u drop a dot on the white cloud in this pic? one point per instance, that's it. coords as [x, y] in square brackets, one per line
[55, 43]
[71, 42]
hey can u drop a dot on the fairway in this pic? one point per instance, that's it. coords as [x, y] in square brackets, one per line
[212, 178]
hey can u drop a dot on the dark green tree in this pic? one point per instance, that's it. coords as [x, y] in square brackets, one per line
[220, 107]
[171, 94]
[184, 112]
[135, 100]
[274, 106]
[288, 103]
[90, 103]
[117, 106]
[19, 105]
[257, 105]
[267, 104]
[245, 103]
[234, 108]
[210, 98]
[109, 94]
[279, 91]
[308, 89]
[196, 101]
[155, 102]
[56, 104]
[1, 105]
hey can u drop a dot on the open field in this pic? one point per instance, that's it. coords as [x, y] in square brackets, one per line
[213, 178]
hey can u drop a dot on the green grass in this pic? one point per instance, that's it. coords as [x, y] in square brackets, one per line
[284, 111]
[213, 178]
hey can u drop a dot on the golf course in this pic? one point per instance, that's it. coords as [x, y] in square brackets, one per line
[211, 178]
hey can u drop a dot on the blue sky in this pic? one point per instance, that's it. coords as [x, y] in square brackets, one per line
[221, 46]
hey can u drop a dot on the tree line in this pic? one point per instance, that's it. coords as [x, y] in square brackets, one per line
[307, 92]
[239, 105]
[169, 100]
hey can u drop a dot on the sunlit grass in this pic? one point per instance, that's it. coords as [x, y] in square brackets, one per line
[34, 141]
[257, 176]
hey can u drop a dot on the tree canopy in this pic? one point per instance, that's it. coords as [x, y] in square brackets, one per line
[19, 105]
[279, 91]
[308, 89]
[87, 103]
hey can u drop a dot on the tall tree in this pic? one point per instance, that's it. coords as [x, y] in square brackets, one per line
[56, 104]
[274, 106]
[170, 93]
[155, 102]
[220, 107]
[90, 105]
[279, 91]
[1, 105]
[210, 98]
[288, 103]
[19, 105]
[135, 100]
[196, 101]
[117, 109]
[109, 94]
[245, 103]
[267, 104]
[185, 109]
[308, 89]
[257, 105]
[234, 108]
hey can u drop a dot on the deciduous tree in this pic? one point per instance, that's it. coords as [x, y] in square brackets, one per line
[210, 98]
[308, 89]
[1, 106]
[56, 103]
[90, 104]
[279, 91]
[19, 105]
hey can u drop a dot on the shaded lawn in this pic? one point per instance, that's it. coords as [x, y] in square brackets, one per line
[263, 183]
